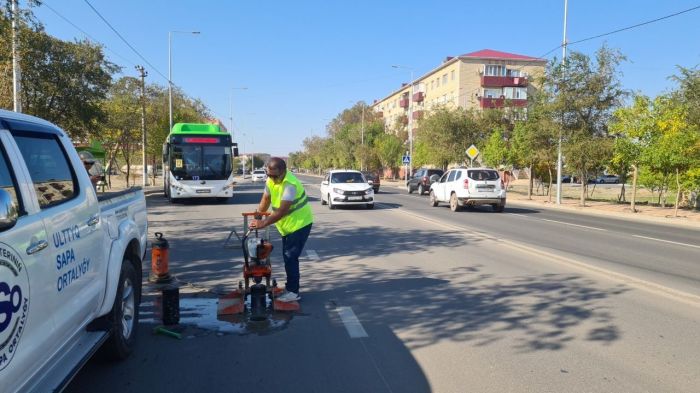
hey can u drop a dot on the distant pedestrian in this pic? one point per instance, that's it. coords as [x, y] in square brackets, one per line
[89, 164]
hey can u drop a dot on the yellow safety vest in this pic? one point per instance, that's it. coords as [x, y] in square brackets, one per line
[299, 214]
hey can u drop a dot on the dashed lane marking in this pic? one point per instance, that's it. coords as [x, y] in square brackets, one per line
[352, 324]
[666, 241]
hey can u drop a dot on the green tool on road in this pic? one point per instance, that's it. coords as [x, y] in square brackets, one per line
[166, 332]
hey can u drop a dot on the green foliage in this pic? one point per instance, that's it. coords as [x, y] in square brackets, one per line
[495, 152]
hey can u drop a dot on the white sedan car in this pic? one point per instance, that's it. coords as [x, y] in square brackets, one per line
[346, 187]
[259, 175]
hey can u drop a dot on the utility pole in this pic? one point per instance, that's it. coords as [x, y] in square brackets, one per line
[143, 73]
[362, 128]
[16, 72]
[559, 159]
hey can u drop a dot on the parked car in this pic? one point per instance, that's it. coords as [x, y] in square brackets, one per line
[609, 179]
[469, 187]
[566, 179]
[70, 261]
[422, 179]
[372, 180]
[259, 175]
[346, 187]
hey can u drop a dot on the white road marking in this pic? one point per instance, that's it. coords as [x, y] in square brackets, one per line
[352, 324]
[311, 254]
[667, 241]
[558, 222]
[573, 225]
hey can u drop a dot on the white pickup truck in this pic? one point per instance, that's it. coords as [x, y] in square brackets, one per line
[70, 261]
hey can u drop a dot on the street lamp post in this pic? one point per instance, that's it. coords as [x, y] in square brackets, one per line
[230, 102]
[559, 161]
[170, 71]
[410, 120]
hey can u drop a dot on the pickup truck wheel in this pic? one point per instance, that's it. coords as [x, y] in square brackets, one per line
[454, 203]
[421, 191]
[433, 199]
[124, 316]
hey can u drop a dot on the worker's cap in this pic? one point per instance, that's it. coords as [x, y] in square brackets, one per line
[87, 157]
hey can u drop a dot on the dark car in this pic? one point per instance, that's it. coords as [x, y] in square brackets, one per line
[373, 180]
[422, 179]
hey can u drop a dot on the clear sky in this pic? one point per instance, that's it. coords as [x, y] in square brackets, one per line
[305, 61]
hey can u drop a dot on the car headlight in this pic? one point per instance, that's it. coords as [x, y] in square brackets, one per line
[338, 191]
[369, 191]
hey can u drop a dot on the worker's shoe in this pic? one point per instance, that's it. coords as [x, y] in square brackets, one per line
[288, 296]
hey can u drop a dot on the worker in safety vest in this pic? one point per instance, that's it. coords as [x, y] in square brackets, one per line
[292, 216]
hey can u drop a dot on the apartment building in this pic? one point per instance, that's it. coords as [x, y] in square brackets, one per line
[478, 80]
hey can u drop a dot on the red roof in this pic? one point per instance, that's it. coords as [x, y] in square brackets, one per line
[494, 54]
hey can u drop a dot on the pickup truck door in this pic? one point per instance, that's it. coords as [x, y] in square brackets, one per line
[27, 278]
[70, 211]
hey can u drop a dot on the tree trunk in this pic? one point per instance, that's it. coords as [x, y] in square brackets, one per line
[530, 184]
[678, 193]
[634, 188]
[584, 189]
[549, 190]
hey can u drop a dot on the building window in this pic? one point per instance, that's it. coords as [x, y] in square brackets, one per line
[437, 82]
[515, 93]
[494, 70]
[492, 93]
[452, 75]
[444, 79]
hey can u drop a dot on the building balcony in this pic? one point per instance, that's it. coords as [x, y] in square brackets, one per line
[403, 103]
[418, 97]
[503, 81]
[490, 103]
[417, 115]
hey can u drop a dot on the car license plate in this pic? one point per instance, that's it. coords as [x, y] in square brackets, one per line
[203, 191]
[355, 198]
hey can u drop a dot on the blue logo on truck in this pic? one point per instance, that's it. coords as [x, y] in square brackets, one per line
[14, 302]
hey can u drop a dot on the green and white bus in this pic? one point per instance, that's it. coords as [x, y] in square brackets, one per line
[197, 162]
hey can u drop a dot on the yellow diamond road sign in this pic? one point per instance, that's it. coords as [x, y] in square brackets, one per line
[472, 152]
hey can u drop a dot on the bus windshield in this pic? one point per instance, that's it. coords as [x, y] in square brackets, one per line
[200, 162]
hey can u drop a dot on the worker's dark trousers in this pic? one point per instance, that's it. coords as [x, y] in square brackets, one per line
[292, 245]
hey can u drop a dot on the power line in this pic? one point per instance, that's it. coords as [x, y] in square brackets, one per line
[84, 32]
[634, 26]
[126, 42]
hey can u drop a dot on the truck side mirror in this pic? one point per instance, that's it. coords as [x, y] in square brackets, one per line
[8, 211]
[235, 149]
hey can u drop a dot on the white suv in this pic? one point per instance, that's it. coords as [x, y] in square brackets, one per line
[259, 175]
[469, 187]
[346, 187]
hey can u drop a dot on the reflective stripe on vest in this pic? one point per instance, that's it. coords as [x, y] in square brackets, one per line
[296, 204]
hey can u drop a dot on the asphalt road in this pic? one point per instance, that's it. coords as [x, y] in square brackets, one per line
[407, 298]
[658, 253]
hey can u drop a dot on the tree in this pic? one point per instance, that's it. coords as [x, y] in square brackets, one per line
[496, 152]
[633, 128]
[582, 97]
[445, 134]
[62, 82]
[388, 148]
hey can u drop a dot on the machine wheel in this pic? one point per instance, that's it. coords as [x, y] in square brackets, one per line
[421, 191]
[454, 203]
[409, 189]
[323, 202]
[330, 203]
[123, 319]
[433, 199]
[370, 206]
